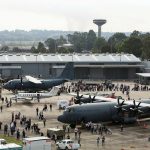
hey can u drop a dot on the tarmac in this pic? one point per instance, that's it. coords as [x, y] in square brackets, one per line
[134, 137]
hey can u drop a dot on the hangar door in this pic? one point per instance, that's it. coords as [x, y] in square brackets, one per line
[6, 73]
[116, 73]
[82, 73]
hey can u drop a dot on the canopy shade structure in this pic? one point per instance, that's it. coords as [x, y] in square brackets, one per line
[145, 75]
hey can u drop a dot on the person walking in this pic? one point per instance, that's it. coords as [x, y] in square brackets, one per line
[37, 111]
[44, 121]
[98, 139]
[1, 108]
[103, 140]
[50, 106]
[18, 134]
[1, 125]
[23, 134]
[121, 128]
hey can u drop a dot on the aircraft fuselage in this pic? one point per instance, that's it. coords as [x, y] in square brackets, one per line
[98, 112]
[16, 84]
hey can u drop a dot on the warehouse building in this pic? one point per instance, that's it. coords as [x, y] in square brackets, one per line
[86, 66]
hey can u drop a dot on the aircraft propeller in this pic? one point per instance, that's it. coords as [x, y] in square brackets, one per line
[136, 109]
[77, 99]
[119, 107]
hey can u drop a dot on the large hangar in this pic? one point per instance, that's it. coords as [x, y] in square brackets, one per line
[86, 66]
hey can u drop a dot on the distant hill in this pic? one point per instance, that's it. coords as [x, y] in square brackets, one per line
[26, 39]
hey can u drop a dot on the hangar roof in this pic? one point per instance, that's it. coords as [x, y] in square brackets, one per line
[76, 57]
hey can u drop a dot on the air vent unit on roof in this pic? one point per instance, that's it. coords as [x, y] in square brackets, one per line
[53, 55]
[9, 55]
[18, 55]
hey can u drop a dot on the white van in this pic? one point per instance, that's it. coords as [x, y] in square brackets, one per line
[37, 143]
[62, 104]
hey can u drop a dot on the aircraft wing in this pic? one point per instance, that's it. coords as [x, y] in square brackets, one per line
[136, 102]
[99, 98]
[33, 80]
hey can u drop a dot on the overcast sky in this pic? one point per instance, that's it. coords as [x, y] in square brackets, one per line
[75, 15]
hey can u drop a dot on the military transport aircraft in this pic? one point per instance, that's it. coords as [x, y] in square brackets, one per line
[87, 98]
[117, 110]
[34, 84]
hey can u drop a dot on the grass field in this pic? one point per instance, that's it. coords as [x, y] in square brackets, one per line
[10, 139]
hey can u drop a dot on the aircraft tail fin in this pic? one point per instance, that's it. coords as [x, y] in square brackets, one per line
[68, 72]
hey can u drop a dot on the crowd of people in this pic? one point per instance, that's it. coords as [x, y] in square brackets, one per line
[20, 125]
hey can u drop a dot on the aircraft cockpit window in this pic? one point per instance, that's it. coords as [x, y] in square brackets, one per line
[10, 83]
[70, 109]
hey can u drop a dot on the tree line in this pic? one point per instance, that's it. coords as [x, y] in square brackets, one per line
[136, 43]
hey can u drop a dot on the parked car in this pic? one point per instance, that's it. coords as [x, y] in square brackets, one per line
[62, 104]
[67, 144]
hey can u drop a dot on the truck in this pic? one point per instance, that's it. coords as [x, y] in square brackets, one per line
[55, 133]
[67, 144]
[37, 143]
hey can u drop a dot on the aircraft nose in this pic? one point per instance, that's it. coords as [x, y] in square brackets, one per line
[61, 118]
[5, 86]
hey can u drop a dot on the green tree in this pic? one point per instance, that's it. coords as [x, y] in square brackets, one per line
[91, 38]
[78, 40]
[115, 41]
[34, 50]
[16, 49]
[51, 44]
[99, 45]
[41, 48]
[135, 33]
[146, 47]
[61, 41]
[132, 45]
[5, 48]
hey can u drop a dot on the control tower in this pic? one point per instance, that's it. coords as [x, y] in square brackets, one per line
[99, 22]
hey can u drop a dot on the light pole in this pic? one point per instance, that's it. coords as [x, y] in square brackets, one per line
[37, 65]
